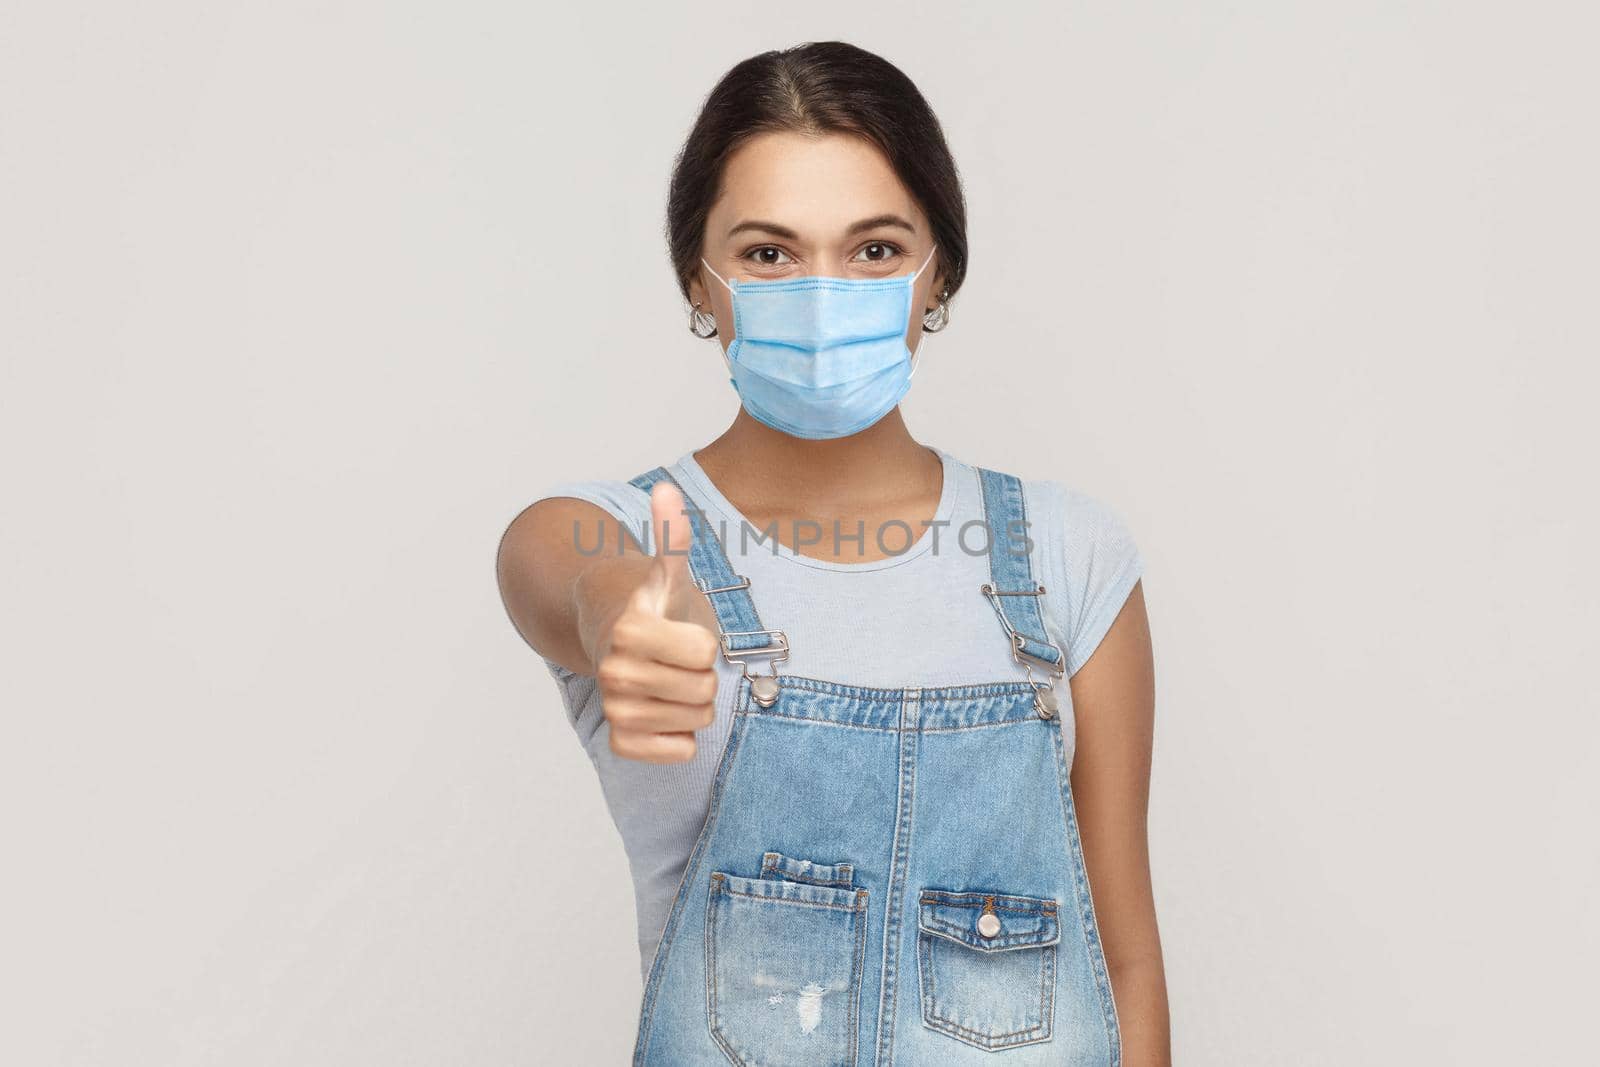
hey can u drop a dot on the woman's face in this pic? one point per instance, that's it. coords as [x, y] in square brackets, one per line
[797, 204]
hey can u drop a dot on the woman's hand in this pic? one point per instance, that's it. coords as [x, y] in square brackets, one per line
[636, 622]
[656, 658]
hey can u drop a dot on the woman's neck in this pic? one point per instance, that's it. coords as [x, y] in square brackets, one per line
[880, 471]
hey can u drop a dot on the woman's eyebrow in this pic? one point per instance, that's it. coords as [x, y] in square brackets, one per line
[881, 220]
[856, 227]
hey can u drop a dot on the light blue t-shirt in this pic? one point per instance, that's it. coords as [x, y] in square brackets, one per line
[914, 618]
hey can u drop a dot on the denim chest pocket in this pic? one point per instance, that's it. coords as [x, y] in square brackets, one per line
[784, 960]
[988, 967]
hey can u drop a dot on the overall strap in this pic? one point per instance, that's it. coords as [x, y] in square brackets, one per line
[742, 633]
[1011, 587]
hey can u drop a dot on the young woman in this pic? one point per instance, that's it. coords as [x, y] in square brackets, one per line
[874, 724]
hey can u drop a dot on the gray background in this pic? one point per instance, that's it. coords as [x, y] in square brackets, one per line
[303, 302]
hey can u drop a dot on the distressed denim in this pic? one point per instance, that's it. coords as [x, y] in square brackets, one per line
[886, 875]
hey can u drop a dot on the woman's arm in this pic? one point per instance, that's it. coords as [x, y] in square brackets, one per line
[637, 623]
[559, 598]
[1113, 696]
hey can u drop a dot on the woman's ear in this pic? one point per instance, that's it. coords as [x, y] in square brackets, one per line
[697, 291]
[701, 288]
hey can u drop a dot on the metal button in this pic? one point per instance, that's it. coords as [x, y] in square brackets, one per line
[988, 924]
[764, 687]
[1046, 702]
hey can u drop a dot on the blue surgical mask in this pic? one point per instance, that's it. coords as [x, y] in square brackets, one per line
[820, 357]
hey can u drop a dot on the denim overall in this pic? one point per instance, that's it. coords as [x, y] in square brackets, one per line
[885, 876]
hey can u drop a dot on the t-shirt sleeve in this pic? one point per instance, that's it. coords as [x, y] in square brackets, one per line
[1096, 564]
[626, 503]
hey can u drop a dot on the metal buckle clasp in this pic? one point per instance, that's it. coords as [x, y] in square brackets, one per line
[1056, 669]
[1045, 699]
[763, 687]
[1024, 657]
[741, 583]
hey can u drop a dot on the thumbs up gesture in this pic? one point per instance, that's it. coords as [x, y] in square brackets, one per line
[657, 678]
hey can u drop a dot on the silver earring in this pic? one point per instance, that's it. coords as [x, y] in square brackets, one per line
[937, 319]
[701, 323]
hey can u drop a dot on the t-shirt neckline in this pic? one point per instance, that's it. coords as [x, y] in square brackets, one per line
[709, 497]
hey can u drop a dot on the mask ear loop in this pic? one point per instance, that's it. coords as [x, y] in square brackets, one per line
[717, 276]
[725, 361]
[916, 356]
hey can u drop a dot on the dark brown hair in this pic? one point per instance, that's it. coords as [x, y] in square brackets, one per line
[820, 87]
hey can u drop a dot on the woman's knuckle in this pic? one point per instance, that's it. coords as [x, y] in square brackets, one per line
[613, 673]
[623, 714]
[625, 632]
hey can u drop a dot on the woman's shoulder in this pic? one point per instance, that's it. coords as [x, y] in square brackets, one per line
[1062, 505]
[1085, 550]
[1082, 516]
[624, 501]
[1097, 561]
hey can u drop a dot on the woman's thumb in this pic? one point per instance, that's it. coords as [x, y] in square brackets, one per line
[671, 531]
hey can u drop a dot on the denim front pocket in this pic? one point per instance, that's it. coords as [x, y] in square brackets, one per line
[988, 966]
[777, 865]
[783, 963]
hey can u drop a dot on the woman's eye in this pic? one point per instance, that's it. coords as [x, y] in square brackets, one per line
[878, 252]
[768, 256]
